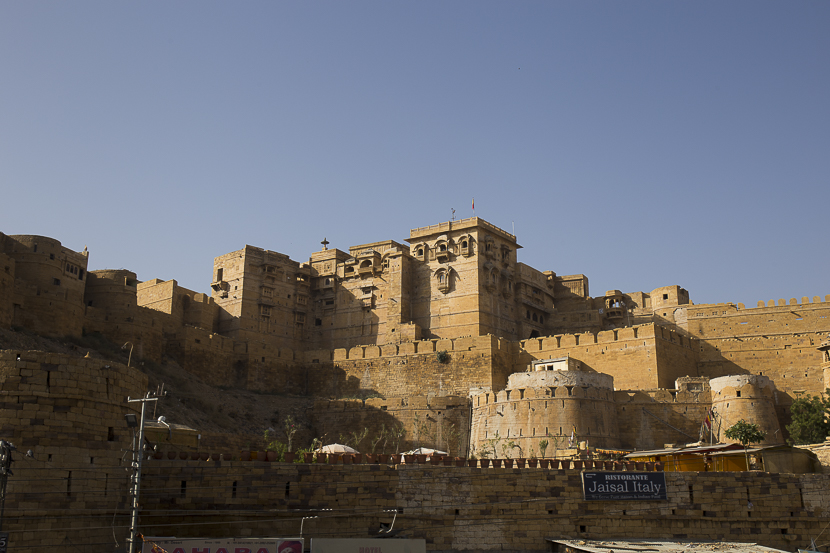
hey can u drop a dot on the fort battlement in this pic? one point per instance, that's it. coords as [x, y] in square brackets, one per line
[420, 347]
[470, 222]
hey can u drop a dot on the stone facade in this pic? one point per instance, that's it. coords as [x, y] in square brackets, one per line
[49, 282]
[449, 338]
[472, 509]
[375, 320]
[69, 412]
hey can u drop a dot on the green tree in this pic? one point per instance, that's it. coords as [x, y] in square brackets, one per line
[810, 419]
[746, 433]
[290, 429]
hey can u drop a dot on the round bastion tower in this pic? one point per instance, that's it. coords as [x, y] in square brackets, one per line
[549, 402]
[749, 397]
[56, 278]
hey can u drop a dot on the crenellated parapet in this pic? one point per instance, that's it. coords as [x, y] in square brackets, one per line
[642, 356]
[549, 405]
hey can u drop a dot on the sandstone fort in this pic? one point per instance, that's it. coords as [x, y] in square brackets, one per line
[446, 332]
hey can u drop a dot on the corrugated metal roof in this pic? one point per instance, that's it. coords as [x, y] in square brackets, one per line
[658, 546]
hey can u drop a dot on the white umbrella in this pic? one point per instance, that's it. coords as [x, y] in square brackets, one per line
[425, 451]
[337, 448]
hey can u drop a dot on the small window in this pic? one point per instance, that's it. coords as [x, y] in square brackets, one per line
[56, 281]
[665, 296]
[420, 252]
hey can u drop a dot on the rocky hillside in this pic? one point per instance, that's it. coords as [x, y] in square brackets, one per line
[188, 401]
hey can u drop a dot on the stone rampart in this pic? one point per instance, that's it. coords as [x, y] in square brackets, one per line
[69, 411]
[7, 292]
[440, 422]
[649, 419]
[746, 397]
[645, 356]
[50, 280]
[545, 405]
[414, 368]
[473, 509]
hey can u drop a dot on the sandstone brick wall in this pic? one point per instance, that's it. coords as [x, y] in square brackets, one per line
[50, 280]
[750, 398]
[7, 291]
[641, 357]
[649, 419]
[472, 509]
[778, 341]
[546, 405]
[112, 310]
[413, 368]
[439, 423]
[69, 412]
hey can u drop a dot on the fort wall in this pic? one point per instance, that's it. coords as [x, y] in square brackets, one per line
[645, 356]
[477, 509]
[8, 297]
[414, 368]
[69, 412]
[775, 339]
[650, 419]
[112, 311]
[437, 422]
[49, 280]
[545, 405]
[750, 398]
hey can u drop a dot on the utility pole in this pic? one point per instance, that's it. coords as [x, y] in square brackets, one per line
[138, 457]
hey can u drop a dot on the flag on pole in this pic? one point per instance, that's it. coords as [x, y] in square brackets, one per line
[474, 205]
[572, 438]
[706, 427]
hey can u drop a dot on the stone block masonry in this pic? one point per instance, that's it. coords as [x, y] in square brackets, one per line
[473, 509]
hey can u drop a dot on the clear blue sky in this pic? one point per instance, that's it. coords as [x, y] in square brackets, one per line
[643, 144]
